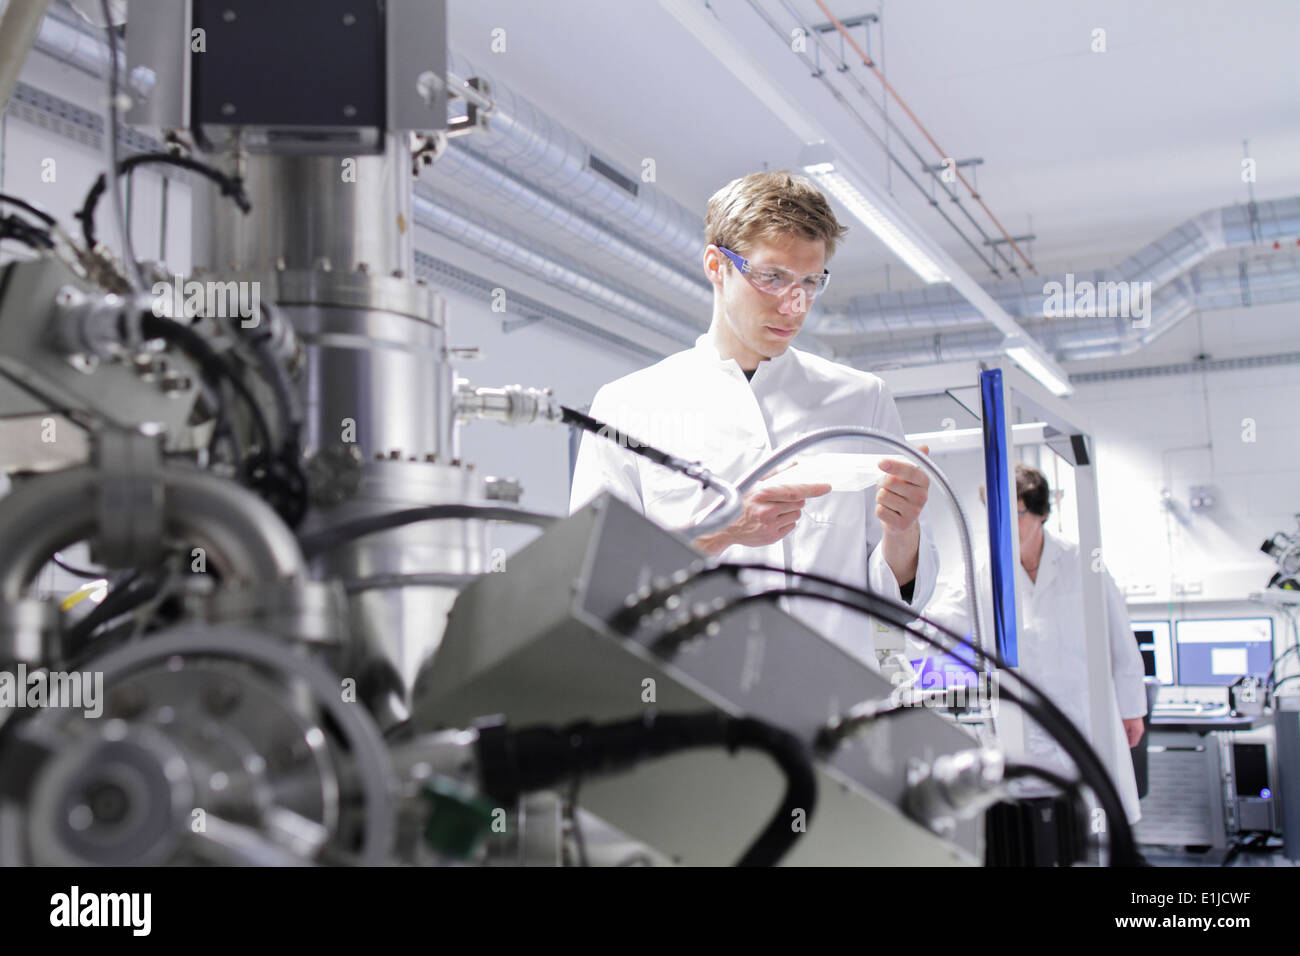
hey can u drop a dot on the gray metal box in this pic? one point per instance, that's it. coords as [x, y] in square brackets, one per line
[532, 642]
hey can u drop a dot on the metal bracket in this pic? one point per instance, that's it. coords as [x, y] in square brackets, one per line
[130, 505]
[512, 325]
[477, 96]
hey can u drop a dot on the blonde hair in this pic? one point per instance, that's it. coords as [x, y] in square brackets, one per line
[765, 206]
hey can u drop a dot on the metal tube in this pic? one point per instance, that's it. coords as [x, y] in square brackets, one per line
[19, 26]
[331, 213]
[710, 521]
[252, 544]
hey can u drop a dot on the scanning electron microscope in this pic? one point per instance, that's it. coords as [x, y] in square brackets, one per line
[308, 653]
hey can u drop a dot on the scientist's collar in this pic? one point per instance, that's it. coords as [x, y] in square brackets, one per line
[706, 346]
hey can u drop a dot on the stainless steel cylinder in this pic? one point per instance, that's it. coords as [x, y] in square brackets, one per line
[375, 375]
[398, 616]
[310, 212]
[329, 242]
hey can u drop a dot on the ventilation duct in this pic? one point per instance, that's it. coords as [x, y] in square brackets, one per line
[526, 142]
[470, 170]
[1215, 286]
[475, 231]
[1160, 262]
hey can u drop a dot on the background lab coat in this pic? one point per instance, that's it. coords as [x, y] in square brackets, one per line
[1053, 653]
[699, 406]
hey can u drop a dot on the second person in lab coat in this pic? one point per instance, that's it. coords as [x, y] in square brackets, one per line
[743, 391]
[1053, 645]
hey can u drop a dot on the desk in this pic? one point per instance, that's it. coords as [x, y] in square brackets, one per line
[1206, 725]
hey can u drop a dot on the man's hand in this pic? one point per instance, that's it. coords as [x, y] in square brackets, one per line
[902, 494]
[1133, 730]
[770, 514]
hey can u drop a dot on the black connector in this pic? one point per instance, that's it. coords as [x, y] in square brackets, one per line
[514, 762]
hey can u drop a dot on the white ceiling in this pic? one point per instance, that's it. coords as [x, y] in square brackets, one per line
[1105, 151]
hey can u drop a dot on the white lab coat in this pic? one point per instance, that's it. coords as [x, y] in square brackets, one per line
[1053, 654]
[699, 406]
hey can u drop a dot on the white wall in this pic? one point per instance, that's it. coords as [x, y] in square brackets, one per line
[542, 354]
[1234, 431]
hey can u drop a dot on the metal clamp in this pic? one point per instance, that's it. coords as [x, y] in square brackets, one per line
[130, 501]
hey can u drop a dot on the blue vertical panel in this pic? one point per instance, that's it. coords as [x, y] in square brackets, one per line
[1002, 557]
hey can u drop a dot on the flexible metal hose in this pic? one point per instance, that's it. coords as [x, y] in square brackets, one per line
[710, 522]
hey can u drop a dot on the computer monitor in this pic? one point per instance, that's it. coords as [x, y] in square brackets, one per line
[1157, 647]
[1219, 651]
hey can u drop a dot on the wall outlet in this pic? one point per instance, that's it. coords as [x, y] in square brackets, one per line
[1139, 590]
[1187, 587]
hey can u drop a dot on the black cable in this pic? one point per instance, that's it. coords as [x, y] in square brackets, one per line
[514, 762]
[571, 811]
[134, 590]
[20, 230]
[571, 416]
[1272, 671]
[281, 470]
[230, 185]
[276, 474]
[78, 572]
[223, 426]
[320, 542]
[692, 469]
[212, 365]
[1043, 710]
[1283, 681]
[24, 205]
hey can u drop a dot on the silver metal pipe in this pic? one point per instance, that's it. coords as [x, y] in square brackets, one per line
[522, 138]
[74, 44]
[332, 213]
[1161, 262]
[251, 544]
[751, 477]
[483, 176]
[19, 26]
[1204, 289]
[234, 844]
[473, 229]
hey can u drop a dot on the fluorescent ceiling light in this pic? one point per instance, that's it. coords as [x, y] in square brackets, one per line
[1042, 368]
[850, 196]
[871, 204]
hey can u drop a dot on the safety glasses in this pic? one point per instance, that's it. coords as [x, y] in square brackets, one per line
[777, 281]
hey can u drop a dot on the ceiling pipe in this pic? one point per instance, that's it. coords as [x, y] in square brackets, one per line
[1206, 289]
[476, 231]
[521, 138]
[20, 24]
[1159, 262]
[466, 168]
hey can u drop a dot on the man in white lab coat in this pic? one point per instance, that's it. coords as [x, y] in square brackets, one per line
[743, 391]
[1053, 644]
